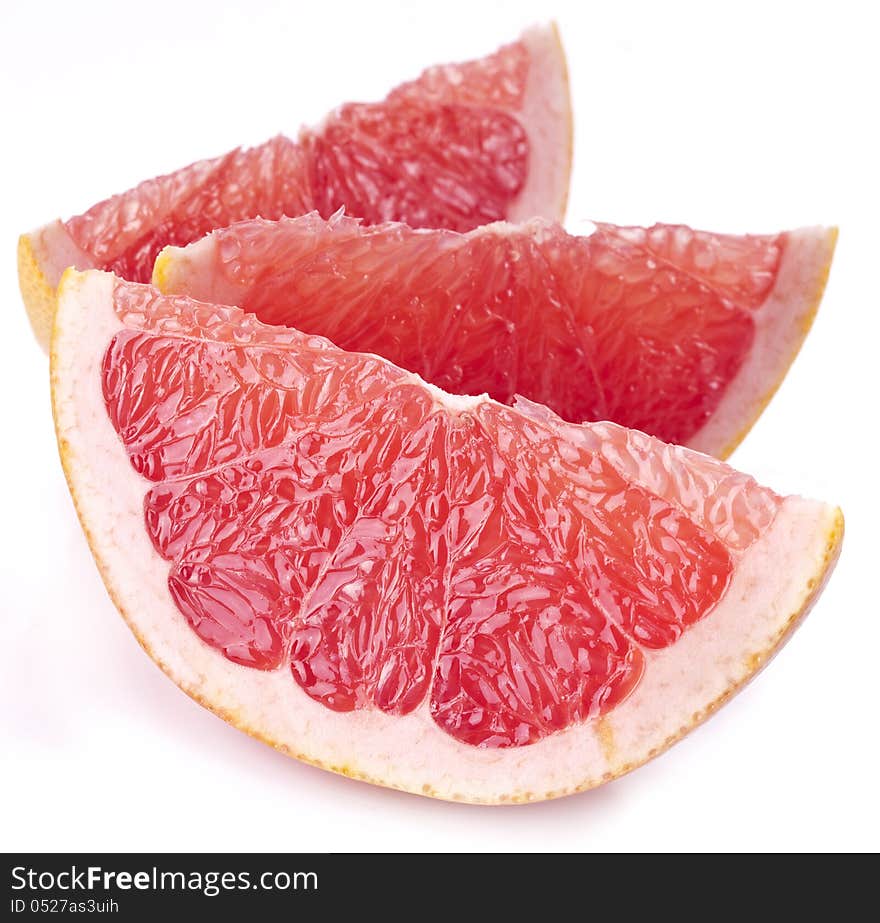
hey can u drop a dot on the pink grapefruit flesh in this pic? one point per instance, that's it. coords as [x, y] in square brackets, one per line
[682, 334]
[433, 592]
[461, 145]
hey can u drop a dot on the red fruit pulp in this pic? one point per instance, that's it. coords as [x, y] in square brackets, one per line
[321, 510]
[646, 327]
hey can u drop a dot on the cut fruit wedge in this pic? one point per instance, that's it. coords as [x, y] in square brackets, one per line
[682, 334]
[460, 146]
[438, 593]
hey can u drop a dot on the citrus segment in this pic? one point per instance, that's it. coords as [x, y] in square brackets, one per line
[319, 512]
[743, 268]
[433, 195]
[649, 327]
[402, 584]
[461, 145]
[124, 233]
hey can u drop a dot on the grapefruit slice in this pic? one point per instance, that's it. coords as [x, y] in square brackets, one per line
[680, 333]
[438, 593]
[460, 146]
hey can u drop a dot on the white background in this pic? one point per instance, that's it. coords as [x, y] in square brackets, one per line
[741, 117]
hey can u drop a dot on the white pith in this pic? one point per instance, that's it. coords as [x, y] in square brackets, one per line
[546, 115]
[55, 250]
[781, 325]
[774, 582]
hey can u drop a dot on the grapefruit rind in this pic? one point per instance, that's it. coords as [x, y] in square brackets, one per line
[36, 292]
[547, 117]
[781, 326]
[774, 585]
[43, 255]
